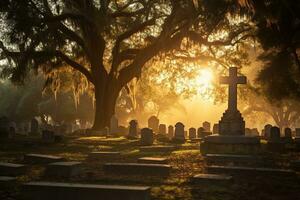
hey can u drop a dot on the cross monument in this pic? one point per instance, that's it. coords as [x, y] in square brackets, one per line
[232, 80]
[232, 122]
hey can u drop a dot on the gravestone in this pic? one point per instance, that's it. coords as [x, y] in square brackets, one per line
[114, 125]
[179, 132]
[133, 132]
[34, 127]
[248, 131]
[75, 191]
[267, 131]
[192, 133]
[254, 132]
[42, 159]
[153, 123]
[171, 131]
[153, 160]
[206, 126]
[63, 169]
[137, 169]
[10, 169]
[211, 178]
[275, 143]
[162, 129]
[231, 137]
[4, 127]
[200, 132]
[216, 129]
[147, 136]
[288, 133]
[274, 134]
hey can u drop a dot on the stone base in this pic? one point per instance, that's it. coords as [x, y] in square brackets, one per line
[221, 144]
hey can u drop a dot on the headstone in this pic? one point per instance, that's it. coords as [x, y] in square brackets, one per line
[41, 159]
[240, 170]
[179, 132]
[114, 125]
[147, 136]
[211, 178]
[216, 129]
[4, 127]
[192, 133]
[153, 123]
[133, 132]
[200, 132]
[10, 169]
[34, 127]
[274, 134]
[63, 169]
[254, 132]
[162, 129]
[248, 131]
[137, 169]
[275, 143]
[7, 182]
[267, 130]
[206, 126]
[75, 191]
[171, 131]
[153, 160]
[288, 133]
[12, 128]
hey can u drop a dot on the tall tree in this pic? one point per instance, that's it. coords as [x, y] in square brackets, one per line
[107, 41]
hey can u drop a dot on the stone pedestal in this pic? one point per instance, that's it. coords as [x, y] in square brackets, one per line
[231, 137]
[232, 123]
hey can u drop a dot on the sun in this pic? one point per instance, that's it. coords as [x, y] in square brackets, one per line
[204, 83]
[205, 77]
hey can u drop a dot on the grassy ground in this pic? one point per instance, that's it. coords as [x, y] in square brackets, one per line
[186, 162]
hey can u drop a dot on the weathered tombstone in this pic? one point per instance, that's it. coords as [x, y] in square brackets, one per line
[75, 191]
[114, 125]
[267, 131]
[133, 132]
[11, 169]
[288, 133]
[4, 127]
[200, 132]
[12, 128]
[275, 144]
[34, 127]
[162, 129]
[153, 123]
[254, 132]
[231, 137]
[147, 136]
[216, 129]
[274, 134]
[63, 169]
[170, 131]
[206, 126]
[248, 131]
[179, 132]
[192, 133]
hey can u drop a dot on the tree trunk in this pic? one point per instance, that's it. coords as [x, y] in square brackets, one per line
[105, 102]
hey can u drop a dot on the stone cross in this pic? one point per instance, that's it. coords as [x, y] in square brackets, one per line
[233, 80]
